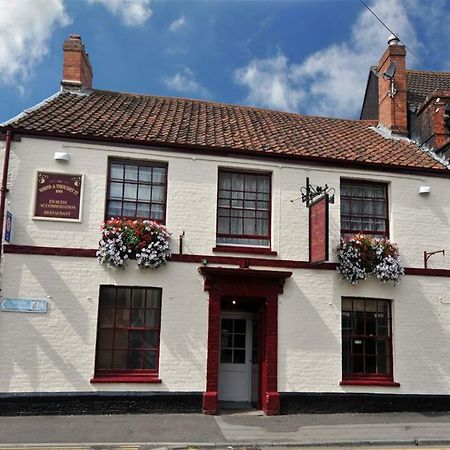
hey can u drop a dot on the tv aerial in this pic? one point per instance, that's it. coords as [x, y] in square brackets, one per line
[389, 75]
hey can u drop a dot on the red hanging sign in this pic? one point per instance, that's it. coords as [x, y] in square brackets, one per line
[318, 230]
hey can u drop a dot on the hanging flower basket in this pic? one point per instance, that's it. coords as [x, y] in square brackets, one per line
[144, 240]
[362, 255]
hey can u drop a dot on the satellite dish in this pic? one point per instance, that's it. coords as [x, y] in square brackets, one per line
[390, 72]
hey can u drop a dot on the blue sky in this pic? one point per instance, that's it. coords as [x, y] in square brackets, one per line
[310, 57]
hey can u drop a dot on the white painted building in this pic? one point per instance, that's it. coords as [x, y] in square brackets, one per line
[239, 313]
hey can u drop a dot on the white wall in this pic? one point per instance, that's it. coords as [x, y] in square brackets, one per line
[417, 222]
[56, 351]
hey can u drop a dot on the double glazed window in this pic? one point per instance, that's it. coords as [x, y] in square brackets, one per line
[366, 339]
[243, 211]
[364, 208]
[128, 331]
[136, 189]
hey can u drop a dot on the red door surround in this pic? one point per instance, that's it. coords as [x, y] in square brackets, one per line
[225, 282]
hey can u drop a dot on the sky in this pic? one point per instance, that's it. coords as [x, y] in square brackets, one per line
[305, 56]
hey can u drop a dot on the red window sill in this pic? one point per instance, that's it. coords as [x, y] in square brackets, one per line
[238, 249]
[369, 382]
[125, 379]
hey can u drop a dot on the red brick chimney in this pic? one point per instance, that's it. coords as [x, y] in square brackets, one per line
[77, 70]
[392, 95]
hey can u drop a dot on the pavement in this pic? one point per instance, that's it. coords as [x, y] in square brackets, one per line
[240, 430]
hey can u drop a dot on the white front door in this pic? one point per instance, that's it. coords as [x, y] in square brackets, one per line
[235, 369]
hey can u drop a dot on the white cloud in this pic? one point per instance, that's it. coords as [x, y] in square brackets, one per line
[184, 81]
[177, 24]
[331, 81]
[131, 12]
[270, 84]
[26, 28]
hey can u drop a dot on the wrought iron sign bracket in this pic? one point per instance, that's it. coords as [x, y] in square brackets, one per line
[310, 192]
[426, 256]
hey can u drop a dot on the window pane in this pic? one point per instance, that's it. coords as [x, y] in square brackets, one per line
[133, 338]
[151, 339]
[157, 194]
[134, 359]
[116, 190]
[130, 191]
[124, 297]
[129, 209]
[137, 318]
[363, 207]
[236, 222]
[114, 209]
[225, 355]
[104, 359]
[159, 175]
[143, 210]
[119, 359]
[239, 357]
[144, 192]
[116, 171]
[150, 360]
[134, 189]
[151, 318]
[145, 174]
[105, 338]
[131, 173]
[121, 339]
[106, 317]
[366, 344]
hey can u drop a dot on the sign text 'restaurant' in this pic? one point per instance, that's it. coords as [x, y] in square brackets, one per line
[58, 196]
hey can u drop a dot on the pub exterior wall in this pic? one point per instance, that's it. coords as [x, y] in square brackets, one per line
[55, 352]
[417, 223]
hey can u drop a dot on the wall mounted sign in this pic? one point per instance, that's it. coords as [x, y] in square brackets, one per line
[8, 226]
[58, 196]
[318, 230]
[22, 305]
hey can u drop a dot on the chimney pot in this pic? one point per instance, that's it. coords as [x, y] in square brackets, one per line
[393, 40]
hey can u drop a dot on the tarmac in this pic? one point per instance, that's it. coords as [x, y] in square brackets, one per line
[226, 430]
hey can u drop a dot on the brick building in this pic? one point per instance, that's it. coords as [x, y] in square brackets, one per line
[242, 311]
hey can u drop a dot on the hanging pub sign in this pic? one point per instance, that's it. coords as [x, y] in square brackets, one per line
[58, 196]
[318, 230]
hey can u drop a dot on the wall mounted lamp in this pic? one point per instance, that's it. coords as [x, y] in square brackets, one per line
[62, 156]
[424, 190]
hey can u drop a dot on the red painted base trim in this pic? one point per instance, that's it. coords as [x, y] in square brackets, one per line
[271, 404]
[210, 401]
[125, 379]
[49, 251]
[249, 250]
[369, 383]
[212, 259]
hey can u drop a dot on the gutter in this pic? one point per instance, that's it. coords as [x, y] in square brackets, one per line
[4, 188]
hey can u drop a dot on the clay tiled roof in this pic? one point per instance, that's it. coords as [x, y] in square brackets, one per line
[152, 120]
[421, 83]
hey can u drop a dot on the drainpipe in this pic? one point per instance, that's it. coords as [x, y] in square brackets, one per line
[3, 188]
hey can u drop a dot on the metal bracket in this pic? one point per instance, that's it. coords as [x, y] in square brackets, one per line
[310, 192]
[426, 256]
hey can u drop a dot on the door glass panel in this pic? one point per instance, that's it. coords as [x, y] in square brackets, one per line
[232, 341]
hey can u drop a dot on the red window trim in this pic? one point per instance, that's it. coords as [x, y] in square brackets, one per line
[245, 236]
[136, 375]
[368, 382]
[125, 379]
[138, 162]
[371, 378]
[244, 249]
[365, 183]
